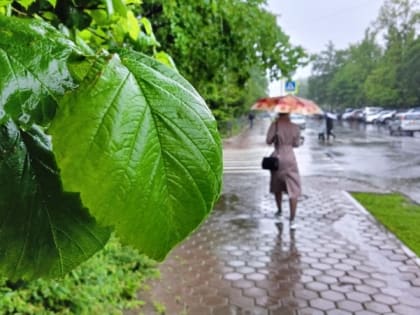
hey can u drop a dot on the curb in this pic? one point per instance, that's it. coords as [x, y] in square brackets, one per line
[362, 209]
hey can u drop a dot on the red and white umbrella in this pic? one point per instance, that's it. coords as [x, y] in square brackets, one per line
[287, 104]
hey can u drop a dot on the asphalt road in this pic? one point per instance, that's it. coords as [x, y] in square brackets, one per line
[367, 153]
[360, 153]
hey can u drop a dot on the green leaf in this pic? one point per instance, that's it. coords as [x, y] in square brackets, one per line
[34, 73]
[43, 230]
[142, 147]
[119, 7]
[109, 7]
[165, 59]
[147, 25]
[100, 16]
[132, 25]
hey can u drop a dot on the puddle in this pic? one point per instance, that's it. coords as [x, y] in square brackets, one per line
[226, 202]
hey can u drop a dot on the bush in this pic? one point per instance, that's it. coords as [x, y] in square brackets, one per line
[106, 284]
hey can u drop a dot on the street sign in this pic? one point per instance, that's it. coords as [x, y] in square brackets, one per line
[290, 86]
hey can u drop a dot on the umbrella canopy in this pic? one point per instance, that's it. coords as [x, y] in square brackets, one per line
[287, 104]
[331, 115]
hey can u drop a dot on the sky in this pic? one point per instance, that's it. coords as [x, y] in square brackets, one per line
[312, 23]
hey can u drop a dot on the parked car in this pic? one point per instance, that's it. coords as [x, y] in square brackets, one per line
[371, 113]
[355, 114]
[347, 114]
[372, 118]
[405, 124]
[299, 120]
[347, 110]
[386, 116]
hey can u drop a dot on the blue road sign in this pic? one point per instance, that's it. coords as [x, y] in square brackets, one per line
[290, 86]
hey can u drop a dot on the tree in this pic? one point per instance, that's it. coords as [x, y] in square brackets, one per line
[347, 84]
[387, 85]
[220, 46]
[325, 65]
[410, 73]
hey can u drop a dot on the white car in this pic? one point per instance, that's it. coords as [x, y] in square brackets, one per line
[386, 116]
[405, 124]
[371, 113]
[372, 118]
[354, 114]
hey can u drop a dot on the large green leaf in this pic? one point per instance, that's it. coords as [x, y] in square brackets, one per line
[142, 147]
[33, 69]
[43, 231]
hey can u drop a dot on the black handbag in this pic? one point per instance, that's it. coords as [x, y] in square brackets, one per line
[270, 163]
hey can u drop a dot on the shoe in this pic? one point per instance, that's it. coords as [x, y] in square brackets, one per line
[278, 213]
[293, 225]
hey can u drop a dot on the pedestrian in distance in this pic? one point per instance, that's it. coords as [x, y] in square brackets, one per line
[329, 126]
[251, 117]
[285, 136]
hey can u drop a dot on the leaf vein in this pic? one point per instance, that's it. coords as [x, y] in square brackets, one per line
[86, 228]
[13, 72]
[172, 125]
[174, 158]
[54, 236]
[111, 104]
[35, 76]
[72, 240]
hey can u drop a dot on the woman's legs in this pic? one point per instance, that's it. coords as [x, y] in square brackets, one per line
[293, 206]
[279, 199]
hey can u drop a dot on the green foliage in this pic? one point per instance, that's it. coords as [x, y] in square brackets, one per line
[107, 284]
[380, 86]
[224, 47]
[360, 60]
[325, 66]
[255, 87]
[400, 215]
[412, 78]
[130, 135]
[216, 45]
[94, 24]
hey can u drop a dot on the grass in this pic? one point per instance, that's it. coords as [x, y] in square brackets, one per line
[396, 212]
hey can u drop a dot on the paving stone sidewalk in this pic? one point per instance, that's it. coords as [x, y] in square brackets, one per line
[244, 260]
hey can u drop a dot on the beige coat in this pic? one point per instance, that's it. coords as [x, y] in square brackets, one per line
[286, 178]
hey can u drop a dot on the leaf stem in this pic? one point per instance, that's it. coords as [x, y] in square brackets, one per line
[17, 11]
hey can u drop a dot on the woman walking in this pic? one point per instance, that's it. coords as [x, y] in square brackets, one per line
[285, 136]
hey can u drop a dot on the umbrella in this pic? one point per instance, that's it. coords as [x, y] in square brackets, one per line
[287, 104]
[331, 115]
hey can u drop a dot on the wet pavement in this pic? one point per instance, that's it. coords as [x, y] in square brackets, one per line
[369, 154]
[245, 260]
